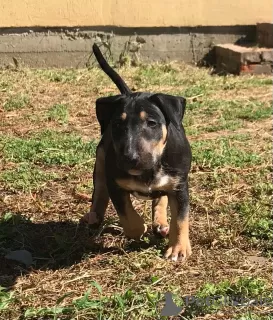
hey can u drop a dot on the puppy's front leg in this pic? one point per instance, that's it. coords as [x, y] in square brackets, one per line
[100, 197]
[179, 243]
[159, 213]
[132, 223]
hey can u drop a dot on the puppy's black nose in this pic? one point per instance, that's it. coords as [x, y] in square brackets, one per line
[131, 159]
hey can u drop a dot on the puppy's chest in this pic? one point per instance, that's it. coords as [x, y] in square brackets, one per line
[160, 184]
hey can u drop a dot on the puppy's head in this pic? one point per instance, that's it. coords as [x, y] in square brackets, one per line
[139, 127]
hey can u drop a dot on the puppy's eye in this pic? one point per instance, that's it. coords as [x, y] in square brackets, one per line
[151, 123]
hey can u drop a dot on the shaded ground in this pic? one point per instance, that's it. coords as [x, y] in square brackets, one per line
[48, 135]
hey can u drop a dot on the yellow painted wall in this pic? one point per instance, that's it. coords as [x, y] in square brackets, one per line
[133, 13]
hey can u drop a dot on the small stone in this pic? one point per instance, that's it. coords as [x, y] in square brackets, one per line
[22, 256]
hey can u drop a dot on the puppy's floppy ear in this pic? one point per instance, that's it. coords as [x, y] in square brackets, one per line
[106, 107]
[172, 107]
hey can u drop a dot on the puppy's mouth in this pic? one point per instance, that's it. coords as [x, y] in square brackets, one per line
[135, 172]
[134, 167]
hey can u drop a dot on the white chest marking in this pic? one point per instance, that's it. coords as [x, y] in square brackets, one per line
[161, 181]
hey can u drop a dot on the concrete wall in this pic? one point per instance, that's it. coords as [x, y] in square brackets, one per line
[60, 33]
[133, 13]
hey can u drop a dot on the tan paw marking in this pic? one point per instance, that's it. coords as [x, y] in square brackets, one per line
[159, 210]
[162, 230]
[179, 251]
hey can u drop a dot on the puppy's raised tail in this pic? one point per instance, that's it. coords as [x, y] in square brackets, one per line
[112, 74]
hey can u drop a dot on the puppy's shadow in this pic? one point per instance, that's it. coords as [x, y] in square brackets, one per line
[57, 244]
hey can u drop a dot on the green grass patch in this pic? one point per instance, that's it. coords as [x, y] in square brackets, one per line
[223, 115]
[137, 305]
[6, 298]
[253, 209]
[194, 127]
[224, 152]
[48, 147]
[211, 297]
[4, 86]
[258, 219]
[58, 112]
[231, 109]
[255, 82]
[147, 75]
[251, 111]
[253, 316]
[25, 177]
[16, 102]
[58, 75]
[147, 303]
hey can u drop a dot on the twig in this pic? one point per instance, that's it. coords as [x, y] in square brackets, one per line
[194, 97]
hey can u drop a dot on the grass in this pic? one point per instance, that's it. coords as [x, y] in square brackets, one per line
[6, 298]
[251, 316]
[16, 102]
[243, 291]
[26, 178]
[63, 76]
[48, 147]
[224, 152]
[59, 113]
[211, 297]
[47, 156]
[128, 303]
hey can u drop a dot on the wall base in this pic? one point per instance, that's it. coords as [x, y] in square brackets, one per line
[70, 47]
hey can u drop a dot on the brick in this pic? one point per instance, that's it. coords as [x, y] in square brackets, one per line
[239, 54]
[267, 56]
[256, 69]
[236, 59]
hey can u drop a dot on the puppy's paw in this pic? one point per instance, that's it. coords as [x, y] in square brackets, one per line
[161, 230]
[134, 227]
[135, 232]
[90, 218]
[179, 251]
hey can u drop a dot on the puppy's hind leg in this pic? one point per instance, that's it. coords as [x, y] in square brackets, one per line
[100, 196]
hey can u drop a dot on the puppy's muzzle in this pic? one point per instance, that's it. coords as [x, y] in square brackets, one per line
[130, 161]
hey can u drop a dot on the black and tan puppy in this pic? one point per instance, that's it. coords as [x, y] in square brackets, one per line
[144, 152]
